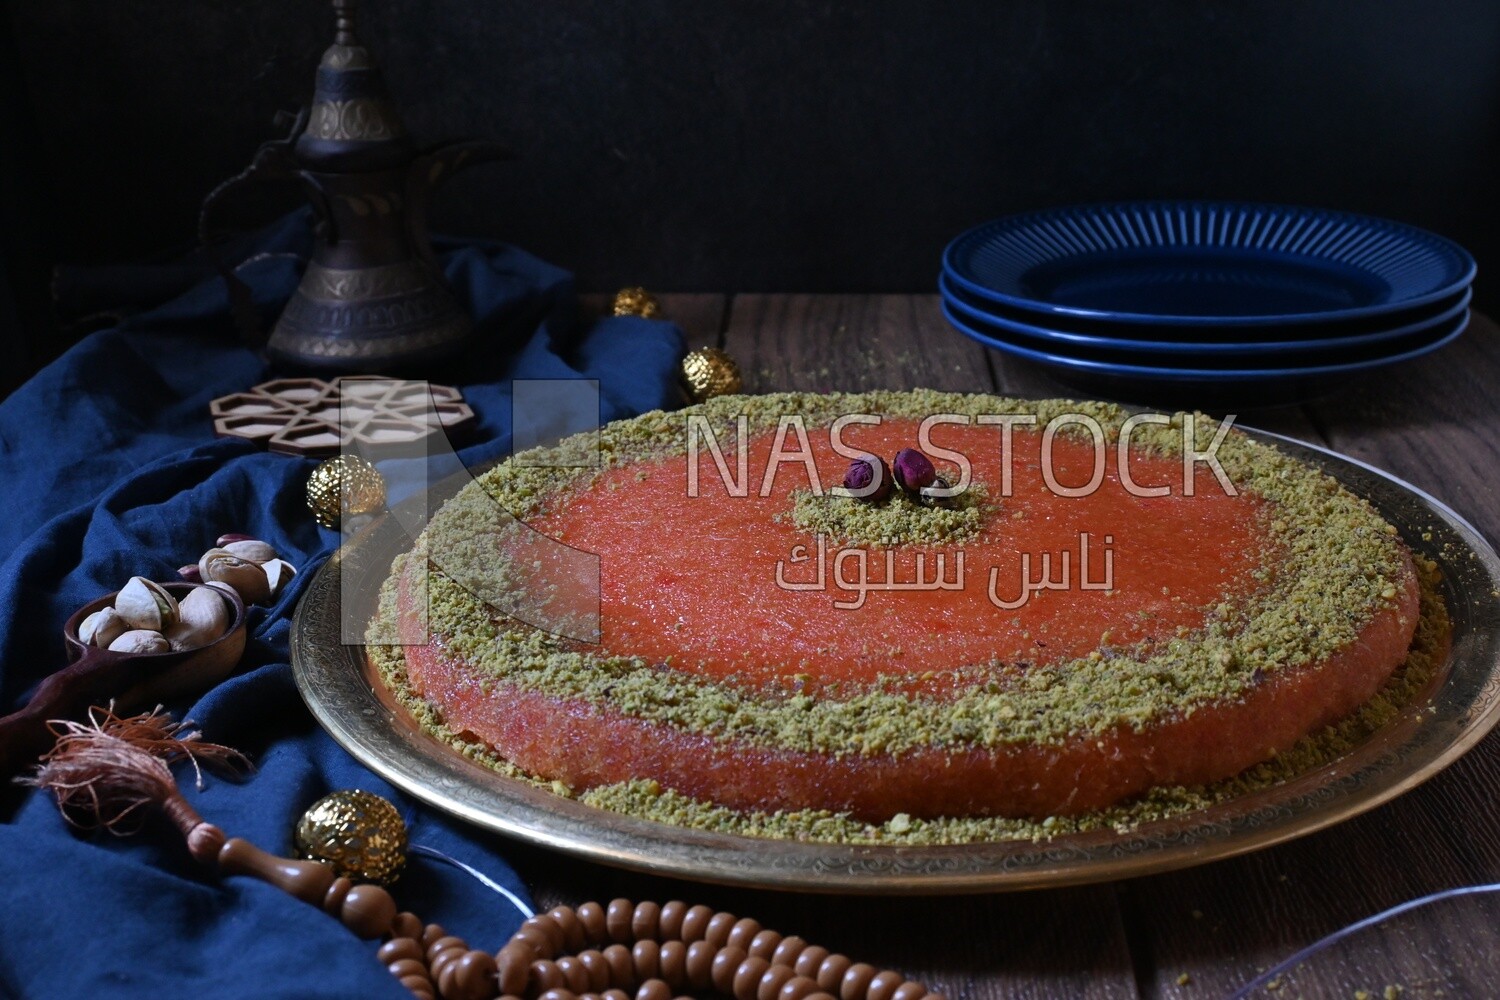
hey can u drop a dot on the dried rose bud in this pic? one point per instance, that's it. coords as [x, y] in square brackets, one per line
[862, 472]
[913, 470]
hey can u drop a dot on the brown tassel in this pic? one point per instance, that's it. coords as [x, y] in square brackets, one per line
[111, 772]
[105, 770]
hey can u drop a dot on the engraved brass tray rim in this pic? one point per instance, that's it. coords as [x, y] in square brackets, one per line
[340, 688]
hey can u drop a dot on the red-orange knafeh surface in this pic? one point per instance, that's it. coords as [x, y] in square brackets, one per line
[690, 584]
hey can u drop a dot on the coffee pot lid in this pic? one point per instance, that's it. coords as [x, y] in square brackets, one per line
[353, 124]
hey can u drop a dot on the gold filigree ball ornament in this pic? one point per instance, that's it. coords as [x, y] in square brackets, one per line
[636, 301]
[359, 833]
[344, 486]
[709, 372]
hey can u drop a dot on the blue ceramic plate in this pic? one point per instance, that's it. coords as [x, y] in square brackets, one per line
[1332, 349]
[1198, 333]
[1211, 388]
[1206, 263]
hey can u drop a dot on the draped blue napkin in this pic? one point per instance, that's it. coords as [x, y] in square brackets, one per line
[109, 468]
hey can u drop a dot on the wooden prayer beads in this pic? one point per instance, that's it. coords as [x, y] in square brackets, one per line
[623, 951]
[591, 953]
[626, 951]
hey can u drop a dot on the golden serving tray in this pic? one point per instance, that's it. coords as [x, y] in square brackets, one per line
[343, 692]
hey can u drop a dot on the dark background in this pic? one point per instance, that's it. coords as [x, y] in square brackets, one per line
[774, 145]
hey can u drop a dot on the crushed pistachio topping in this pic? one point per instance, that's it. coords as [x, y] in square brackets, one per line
[1333, 562]
[647, 799]
[901, 519]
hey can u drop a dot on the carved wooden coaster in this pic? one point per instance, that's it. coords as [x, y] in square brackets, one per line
[301, 416]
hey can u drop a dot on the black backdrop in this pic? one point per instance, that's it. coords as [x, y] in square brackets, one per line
[769, 145]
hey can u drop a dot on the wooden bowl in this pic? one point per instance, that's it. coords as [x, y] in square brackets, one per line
[129, 681]
[160, 673]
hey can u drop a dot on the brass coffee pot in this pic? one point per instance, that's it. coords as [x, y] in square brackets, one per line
[373, 298]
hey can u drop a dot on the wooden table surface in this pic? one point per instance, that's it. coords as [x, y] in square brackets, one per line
[1201, 932]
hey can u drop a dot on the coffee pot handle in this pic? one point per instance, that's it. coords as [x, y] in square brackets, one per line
[433, 167]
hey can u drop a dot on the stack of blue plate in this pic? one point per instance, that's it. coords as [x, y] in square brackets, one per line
[1211, 304]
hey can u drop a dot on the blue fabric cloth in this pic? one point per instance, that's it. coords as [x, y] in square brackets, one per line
[108, 469]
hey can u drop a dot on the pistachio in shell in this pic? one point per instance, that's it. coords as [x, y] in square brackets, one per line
[221, 586]
[140, 640]
[101, 628]
[144, 604]
[279, 573]
[251, 550]
[247, 579]
[202, 618]
[936, 495]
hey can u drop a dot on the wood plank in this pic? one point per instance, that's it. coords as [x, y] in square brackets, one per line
[821, 343]
[1065, 944]
[700, 315]
[1224, 923]
[1434, 423]
[1293, 421]
[884, 331]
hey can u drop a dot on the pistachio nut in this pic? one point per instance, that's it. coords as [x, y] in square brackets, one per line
[140, 640]
[279, 573]
[221, 586]
[247, 579]
[101, 628]
[202, 618]
[251, 550]
[145, 605]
